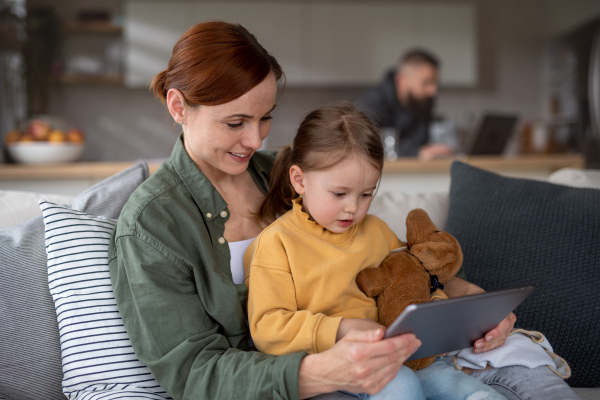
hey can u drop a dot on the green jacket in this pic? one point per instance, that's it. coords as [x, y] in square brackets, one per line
[170, 271]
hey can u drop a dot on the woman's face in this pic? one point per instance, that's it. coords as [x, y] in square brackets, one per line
[222, 138]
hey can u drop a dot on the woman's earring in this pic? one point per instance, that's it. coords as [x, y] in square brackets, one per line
[181, 122]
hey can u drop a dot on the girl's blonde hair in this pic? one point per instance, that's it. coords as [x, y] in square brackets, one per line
[326, 137]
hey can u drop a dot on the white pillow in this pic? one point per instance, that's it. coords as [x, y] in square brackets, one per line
[97, 357]
[17, 207]
[394, 207]
[576, 178]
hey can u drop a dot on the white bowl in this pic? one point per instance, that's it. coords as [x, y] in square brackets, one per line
[45, 152]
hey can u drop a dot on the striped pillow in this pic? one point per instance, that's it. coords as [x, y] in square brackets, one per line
[97, 357]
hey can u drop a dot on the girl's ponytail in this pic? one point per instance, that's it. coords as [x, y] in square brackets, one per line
[281, 192]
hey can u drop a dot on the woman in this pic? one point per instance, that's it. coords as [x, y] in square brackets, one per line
[182, 303]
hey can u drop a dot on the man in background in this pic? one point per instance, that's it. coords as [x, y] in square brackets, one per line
[402, 106]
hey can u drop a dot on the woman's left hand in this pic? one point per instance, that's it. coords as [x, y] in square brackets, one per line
[497, 336]
[457, 287]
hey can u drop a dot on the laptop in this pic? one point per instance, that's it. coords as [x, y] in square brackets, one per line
[455, 324]
[493, 134]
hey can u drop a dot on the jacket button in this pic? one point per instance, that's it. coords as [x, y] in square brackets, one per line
[208, 215]
[223, 213]
[221, 240]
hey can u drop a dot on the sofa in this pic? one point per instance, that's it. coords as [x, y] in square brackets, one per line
[513, 232]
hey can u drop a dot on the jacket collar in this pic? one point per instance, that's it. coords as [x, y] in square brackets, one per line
[207, 197]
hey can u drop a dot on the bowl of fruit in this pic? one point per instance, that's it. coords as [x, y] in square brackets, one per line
[45, 140]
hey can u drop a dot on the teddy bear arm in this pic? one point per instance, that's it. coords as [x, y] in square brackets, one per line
[372, 281]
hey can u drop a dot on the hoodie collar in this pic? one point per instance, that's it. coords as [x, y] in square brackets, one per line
[301, 220]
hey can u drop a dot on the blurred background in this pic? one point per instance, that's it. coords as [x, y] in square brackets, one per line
[87, 64]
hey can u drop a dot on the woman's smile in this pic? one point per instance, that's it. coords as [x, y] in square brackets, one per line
[239, 157]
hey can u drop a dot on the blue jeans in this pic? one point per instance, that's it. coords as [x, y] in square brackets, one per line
[441, 381]
[522, 383]
[405, 386]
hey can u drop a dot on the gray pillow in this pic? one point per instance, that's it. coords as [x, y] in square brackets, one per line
[30, 362]
[518, 231]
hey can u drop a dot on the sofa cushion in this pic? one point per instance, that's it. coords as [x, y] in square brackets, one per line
[30, 366]
[17, 207]
[517, 231]
[394, 207]
[97, 356]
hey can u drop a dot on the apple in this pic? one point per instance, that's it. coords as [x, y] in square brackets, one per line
[75, 135]
[39, 129]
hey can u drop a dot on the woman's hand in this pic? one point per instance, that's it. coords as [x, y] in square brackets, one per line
[361, 362]
[349, 324]
[457, 287]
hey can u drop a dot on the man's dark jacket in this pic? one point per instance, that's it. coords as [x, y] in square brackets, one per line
[382, 106]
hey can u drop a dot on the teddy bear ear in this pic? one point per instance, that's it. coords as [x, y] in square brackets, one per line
[441, 258]
[418, 227]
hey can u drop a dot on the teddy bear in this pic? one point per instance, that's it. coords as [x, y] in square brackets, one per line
[409, 276]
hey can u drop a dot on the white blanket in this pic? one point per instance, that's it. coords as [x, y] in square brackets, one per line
[526, 348]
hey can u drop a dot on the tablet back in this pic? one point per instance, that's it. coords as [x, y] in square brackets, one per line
[454, 324]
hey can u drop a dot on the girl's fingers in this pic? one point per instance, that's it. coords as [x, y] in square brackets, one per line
[497, 336]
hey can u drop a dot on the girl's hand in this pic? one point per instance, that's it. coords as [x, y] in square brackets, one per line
[349, 324]
[361, 362]
[497, 336]
[457, 287]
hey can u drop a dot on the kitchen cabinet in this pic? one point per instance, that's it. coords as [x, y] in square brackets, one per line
[96, 42]
[329, 44]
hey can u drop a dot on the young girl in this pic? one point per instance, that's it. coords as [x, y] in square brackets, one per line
[301, 270]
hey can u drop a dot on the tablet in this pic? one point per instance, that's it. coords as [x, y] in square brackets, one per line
[454, 324]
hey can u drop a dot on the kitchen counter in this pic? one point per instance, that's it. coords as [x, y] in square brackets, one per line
[76, 170]
[407, 174]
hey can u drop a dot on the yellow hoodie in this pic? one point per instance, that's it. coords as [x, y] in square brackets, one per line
[301, 280]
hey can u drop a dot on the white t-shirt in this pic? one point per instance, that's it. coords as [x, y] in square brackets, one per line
[237, 250]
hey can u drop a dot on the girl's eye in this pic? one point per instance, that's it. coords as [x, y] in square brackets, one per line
[266, 118]
[338, 194]
[233, 126]
[367, 194]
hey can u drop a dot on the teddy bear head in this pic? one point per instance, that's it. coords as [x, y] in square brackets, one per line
[438, 251]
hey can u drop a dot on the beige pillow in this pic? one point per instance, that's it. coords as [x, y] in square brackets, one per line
[17, 207]
[394, 207]
[581, 178]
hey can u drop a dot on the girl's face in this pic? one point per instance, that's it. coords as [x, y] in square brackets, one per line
[338, 197]
[222, 138]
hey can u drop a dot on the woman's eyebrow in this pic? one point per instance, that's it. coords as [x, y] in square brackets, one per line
[246, 115]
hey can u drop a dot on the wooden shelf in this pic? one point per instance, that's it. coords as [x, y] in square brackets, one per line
[92, 27]
[76, 79]
[529, 162]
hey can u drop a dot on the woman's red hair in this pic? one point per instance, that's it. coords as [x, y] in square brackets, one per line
[213, 63]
